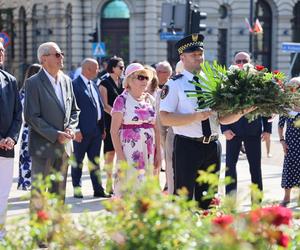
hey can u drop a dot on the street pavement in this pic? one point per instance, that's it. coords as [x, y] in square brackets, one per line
[271, 170]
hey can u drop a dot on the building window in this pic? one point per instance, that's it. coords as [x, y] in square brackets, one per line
[263, 42]
[222, 46]
[296, 37]
[69, 37]
[115, 28]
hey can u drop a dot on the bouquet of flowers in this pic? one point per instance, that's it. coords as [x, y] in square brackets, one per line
[244, 86]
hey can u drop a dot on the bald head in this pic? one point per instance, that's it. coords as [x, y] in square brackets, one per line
[90, 68]
[242, 58]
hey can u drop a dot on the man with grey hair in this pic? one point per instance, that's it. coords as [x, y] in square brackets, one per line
[164, 72]
[52, 115]
[90, 129]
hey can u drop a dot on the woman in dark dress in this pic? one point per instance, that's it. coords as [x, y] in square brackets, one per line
[291, 148]
[110, 88]
[24, 181]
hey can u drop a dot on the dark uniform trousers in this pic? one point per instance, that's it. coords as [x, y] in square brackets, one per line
[253, 151]
[190, 156]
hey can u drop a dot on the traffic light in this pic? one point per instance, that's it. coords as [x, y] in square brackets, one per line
[197, 24]
[94, 36]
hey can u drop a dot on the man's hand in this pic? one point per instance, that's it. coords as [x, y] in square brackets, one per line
[103, 135]
[202, 116]
[78, 137]
[2, 144]
[265, 136]
[229, 134]
[70, 132]
[63, 137]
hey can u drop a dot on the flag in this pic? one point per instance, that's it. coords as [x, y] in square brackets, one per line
[249, 25]
[257, 28]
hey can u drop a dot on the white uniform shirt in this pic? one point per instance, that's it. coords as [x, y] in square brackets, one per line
[94, 93]
[176, 101]
[56, 86]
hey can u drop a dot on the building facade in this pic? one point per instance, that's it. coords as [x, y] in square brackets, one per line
[130, 28]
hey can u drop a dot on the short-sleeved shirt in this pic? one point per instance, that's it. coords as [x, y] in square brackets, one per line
[176, 101]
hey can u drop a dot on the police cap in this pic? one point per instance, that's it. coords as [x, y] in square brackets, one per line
[190, 43]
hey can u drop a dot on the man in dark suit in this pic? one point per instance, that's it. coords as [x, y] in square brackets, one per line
[90, 131]
[52, 115]
[10, 124]
[251, 134]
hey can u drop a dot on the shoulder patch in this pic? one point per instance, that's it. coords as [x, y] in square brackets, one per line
[176, 77]
[164, 92]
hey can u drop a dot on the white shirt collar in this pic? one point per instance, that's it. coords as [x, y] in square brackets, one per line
[50, 77]
[84, 79]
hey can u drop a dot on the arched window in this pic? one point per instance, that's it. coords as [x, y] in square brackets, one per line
[46, 31]
[69, 37]
[263, 42]
[115, 28]
[296, 37]
[35, 33]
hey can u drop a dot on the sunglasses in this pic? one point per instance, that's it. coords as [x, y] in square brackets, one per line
[243, 61]
[142, 78]
[57, 54]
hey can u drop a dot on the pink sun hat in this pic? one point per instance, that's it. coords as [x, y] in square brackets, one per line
[132, 68]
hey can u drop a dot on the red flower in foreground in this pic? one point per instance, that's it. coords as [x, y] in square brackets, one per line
[283, 240]
[42, 215]
[259, 67]
[223, 221]
[275, 215]
[275, 72]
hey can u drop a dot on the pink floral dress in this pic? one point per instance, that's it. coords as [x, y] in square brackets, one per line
[136, 134]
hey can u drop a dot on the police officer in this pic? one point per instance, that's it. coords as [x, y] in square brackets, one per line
[196, 145]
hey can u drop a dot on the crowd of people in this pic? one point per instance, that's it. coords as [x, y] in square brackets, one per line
[142, 115]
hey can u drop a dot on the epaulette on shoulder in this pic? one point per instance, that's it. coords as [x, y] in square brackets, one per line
[176, 77]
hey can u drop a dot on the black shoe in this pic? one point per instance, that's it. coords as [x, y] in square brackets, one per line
[42, 245]
[101, 194]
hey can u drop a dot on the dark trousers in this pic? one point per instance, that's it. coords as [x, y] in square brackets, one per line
[253, 151]
[91, 145]
[188, 158]
[45, 167]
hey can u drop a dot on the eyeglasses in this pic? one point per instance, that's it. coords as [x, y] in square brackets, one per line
[242, 61]
[142, 78]
[57, 54]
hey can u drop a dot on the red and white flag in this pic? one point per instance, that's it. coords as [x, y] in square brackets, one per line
[257, 28]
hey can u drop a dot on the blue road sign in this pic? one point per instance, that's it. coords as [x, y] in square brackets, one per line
[170, 36]
[4, 38]
[99, 49]
[291, 47]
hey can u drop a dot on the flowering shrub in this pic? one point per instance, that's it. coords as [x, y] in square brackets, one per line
[149, 219]
[244, 86]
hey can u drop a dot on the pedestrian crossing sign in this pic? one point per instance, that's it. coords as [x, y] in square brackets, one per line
[99, 49]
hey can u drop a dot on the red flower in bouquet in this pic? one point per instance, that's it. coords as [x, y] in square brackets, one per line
[215, 202]
[42, 215]
[223, 221]
[276, 72]
[283, 239]
[259, 67]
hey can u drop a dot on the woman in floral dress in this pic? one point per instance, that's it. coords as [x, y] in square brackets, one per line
[24, 181]
[134, 130]
[291, 148]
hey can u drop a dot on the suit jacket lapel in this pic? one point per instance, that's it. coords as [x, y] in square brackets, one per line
[63, 85]
[85, 90]
[48, 86]
[2, 82]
